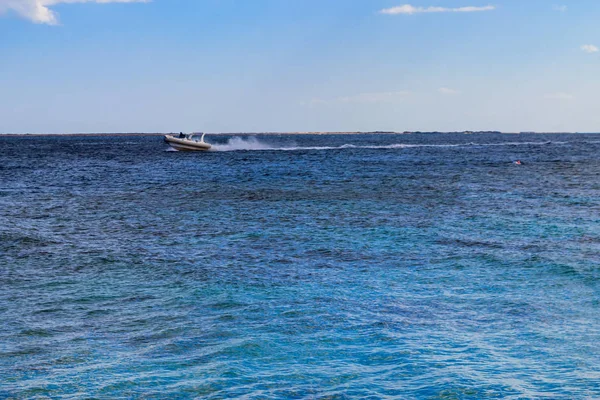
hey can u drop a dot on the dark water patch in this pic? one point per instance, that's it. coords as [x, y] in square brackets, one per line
[469, 243]
[10, 241]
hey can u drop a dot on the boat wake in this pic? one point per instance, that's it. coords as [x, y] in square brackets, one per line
[254, 144]
[239, 143]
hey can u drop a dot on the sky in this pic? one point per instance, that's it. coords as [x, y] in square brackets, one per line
[84, 66]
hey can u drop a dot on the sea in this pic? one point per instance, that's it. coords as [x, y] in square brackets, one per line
[418, 266]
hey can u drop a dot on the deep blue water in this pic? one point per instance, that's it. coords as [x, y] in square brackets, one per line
[413, 267]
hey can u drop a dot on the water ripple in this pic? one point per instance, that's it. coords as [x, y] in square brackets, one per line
[413, 266]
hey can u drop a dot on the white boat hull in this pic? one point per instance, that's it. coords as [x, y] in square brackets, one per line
[185, 144]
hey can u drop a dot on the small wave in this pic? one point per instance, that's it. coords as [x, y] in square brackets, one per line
[254, 144]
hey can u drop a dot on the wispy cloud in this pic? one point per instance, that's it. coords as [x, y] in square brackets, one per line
[361, 98]
[559, 96]
[408, 9]
[314, 102]
[39, 11]
[559, 8]
[379, 97]
[589, 48]
[447, 91]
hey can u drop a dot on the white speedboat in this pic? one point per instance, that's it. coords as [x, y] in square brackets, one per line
[186, 142]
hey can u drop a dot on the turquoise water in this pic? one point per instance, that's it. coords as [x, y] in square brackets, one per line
[402, 266]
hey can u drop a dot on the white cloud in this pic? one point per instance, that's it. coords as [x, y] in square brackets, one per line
[559, 8]
[39, 11]
[408, 9]
[447, 91]
[559, 96]
[589, 48]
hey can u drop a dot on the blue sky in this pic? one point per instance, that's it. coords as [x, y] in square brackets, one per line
[299, 65]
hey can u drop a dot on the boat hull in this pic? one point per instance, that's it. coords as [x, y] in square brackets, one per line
[182, 144]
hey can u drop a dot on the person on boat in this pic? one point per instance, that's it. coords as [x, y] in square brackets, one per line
[181, 135]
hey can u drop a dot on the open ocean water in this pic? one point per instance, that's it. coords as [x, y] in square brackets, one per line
[325, 267]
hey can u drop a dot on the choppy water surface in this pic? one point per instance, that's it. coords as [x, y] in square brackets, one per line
[405, 266]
